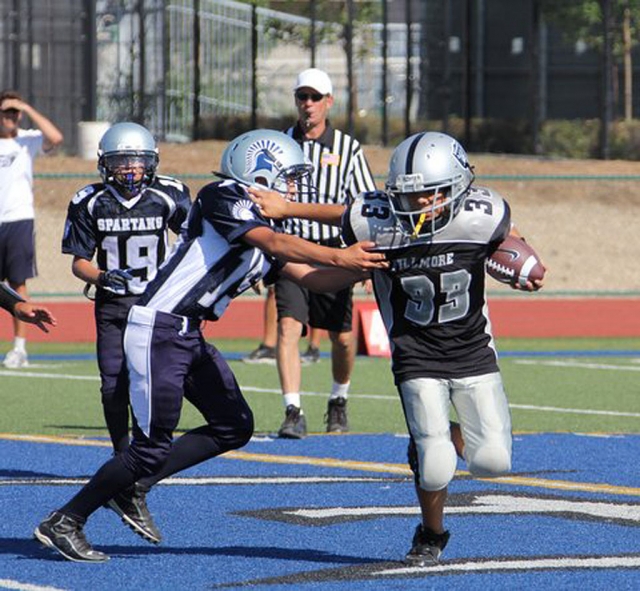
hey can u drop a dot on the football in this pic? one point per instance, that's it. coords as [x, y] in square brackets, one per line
[515, 262]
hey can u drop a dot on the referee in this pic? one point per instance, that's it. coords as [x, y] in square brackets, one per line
[341, 173]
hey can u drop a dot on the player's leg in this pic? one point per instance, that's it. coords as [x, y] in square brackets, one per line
[19, 265]
[334, 312]
[157, 370]
[292, 304]
[485, 421]
[432, 458]
[212, 388]
[111, 316]
[266, 350]
[159, 353]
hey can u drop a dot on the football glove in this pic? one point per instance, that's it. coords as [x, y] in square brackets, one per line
[115, 280]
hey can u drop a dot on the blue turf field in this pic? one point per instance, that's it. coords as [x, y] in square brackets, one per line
[337, 512]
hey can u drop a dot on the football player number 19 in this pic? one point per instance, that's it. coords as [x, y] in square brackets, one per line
[421, 307]
[140, 254]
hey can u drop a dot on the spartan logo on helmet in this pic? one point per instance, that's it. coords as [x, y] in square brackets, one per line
[263, 155]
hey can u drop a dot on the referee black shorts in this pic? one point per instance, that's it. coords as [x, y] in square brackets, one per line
[329, 311]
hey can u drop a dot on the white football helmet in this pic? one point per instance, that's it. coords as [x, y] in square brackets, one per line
[267, 158]
[125, 146]
[428, 162]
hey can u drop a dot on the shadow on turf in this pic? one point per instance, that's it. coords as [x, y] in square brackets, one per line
[31, 548]
[8, 474]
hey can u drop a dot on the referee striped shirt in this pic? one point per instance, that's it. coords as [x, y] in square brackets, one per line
[341, 172]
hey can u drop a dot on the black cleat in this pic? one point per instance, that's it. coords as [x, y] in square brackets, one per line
[64, 534]
[311, 356]
[294, 425]
[426, 547]
[262, 354]
[336, 417]
[131, 505]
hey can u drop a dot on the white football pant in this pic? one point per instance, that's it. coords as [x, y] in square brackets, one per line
[483, 411]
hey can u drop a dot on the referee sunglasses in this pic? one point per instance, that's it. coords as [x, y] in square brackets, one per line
[305, 96]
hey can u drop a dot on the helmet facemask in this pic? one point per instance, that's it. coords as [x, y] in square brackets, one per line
[427, 165]
[294, 181]
[419, 221]
[130, 171]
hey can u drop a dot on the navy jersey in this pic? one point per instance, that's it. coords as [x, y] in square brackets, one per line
[211, 263]
[126, 233]
[432, 298]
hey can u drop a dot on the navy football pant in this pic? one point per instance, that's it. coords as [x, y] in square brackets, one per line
[111, 319]
[167, 360]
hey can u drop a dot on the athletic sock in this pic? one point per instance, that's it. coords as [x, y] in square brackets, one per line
[291, 398]
[339, 390]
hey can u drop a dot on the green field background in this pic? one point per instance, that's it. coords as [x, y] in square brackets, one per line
[566, 391]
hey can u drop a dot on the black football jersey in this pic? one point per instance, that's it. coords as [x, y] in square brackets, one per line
[432, 298]
[211, 264]
[126, 233]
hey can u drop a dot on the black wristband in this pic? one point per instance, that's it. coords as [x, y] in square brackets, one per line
[8, 298]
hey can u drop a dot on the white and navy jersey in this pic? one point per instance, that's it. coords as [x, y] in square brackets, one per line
[432, 298]
[211, 263]
[340, 173]
[126, 233]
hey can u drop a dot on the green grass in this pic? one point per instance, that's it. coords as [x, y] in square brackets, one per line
[61, 397]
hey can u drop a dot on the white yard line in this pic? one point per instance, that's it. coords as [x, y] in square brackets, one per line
[394, 397]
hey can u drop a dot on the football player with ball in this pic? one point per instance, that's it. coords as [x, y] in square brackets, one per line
[438, 231]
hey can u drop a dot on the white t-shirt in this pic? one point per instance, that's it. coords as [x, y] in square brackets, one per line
[16, 174]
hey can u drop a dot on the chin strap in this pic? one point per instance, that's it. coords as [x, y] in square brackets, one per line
[419, 225]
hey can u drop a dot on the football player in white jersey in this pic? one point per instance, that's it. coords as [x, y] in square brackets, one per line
[437, 230]
[227, 247]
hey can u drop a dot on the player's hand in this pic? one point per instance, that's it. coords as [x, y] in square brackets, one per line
[115, 280]
[34, 314]
[359, 257]
[270, 203]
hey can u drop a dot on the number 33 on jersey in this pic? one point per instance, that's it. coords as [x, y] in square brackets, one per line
[432, 298]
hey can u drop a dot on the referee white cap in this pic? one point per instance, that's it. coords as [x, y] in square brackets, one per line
[314, 78]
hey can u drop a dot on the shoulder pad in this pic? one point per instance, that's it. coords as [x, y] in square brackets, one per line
[87, 192]
[369, 217]
[481, 213]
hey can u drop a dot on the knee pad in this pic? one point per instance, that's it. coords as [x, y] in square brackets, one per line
[433, 461]
[490, 459]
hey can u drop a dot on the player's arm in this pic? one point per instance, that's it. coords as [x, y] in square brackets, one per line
[34, 314]
[25, 311]
[322, 280]
[115, 279]
[52, 135]
[292, 249]
[272, 205]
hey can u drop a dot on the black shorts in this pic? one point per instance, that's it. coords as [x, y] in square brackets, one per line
[329, 311]
[17, 251]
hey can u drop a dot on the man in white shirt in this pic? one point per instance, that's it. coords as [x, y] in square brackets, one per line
[18, 148]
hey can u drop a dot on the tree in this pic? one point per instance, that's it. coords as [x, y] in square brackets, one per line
[582, 20]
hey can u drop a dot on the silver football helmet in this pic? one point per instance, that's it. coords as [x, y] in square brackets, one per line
[124, 149]
[432, 163]
[267, 158]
